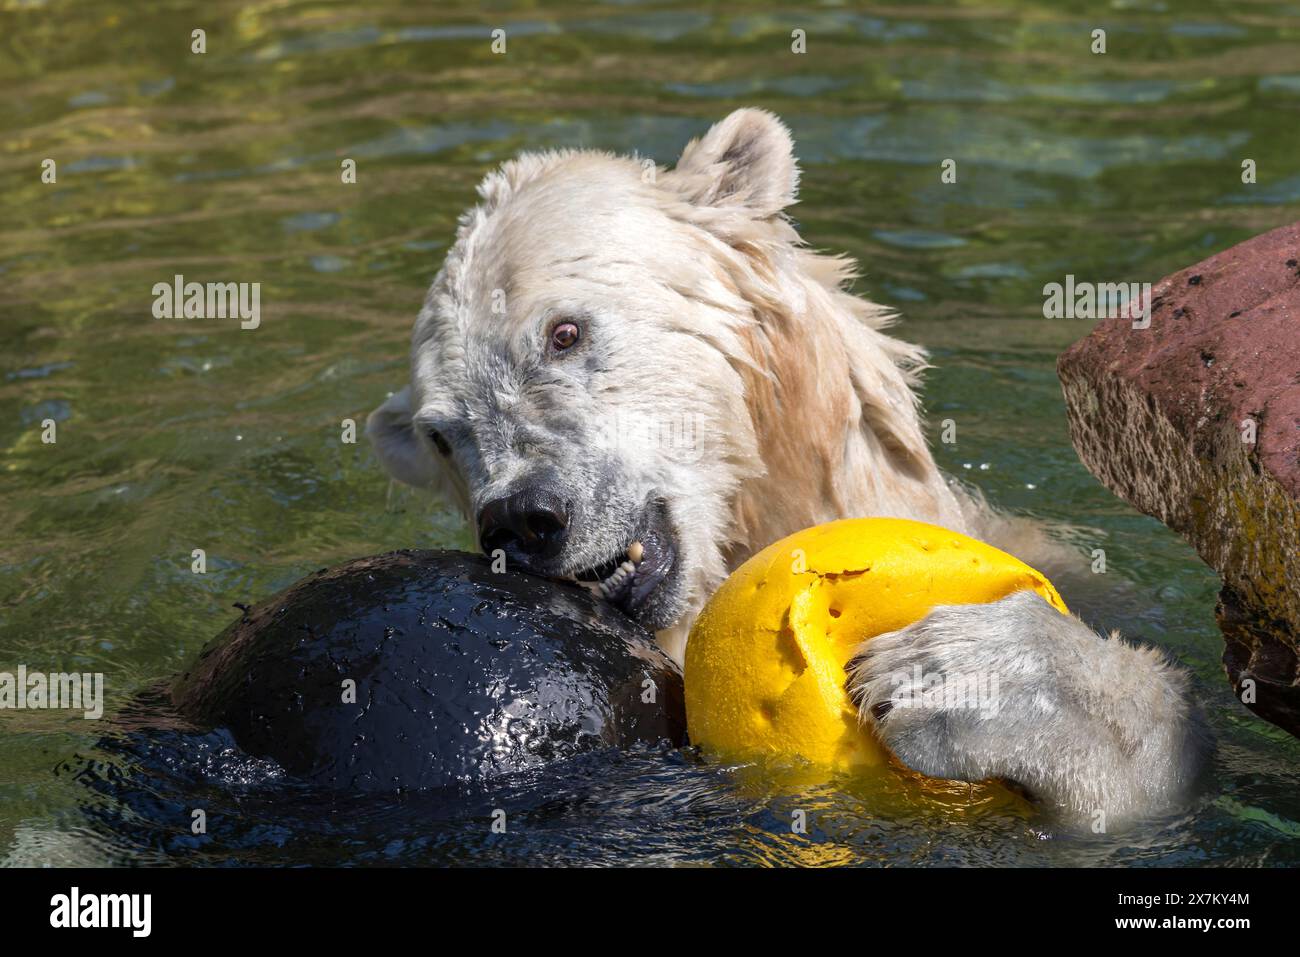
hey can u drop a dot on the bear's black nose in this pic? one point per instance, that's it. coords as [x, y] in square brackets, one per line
[533, 520]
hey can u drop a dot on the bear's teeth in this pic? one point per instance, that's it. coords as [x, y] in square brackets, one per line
[636, 552]
[617, 578]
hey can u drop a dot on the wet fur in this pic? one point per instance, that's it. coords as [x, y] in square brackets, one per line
[697, 295]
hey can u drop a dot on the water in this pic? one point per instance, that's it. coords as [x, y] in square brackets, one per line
[176, 435]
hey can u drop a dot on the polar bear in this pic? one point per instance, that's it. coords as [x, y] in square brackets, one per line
[639, 377]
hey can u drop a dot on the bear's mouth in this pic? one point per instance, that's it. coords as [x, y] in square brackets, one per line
[629, 577]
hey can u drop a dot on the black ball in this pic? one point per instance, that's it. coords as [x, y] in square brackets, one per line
[461, 674]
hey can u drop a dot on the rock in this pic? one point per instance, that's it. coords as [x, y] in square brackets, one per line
[1196, 421]
[1254, 648]
[462, 675]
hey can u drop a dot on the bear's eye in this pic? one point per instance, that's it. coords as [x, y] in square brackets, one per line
[564, 335]
[439, 442]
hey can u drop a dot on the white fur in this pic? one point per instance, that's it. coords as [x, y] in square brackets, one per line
[1098, 730]
[697, 296]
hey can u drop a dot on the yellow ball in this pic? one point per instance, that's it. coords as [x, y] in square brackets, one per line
[765, 661]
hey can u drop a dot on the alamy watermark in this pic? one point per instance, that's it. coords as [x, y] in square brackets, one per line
[678, 434]
[1097, 300]
[75, 909]
[76, 691]
[179, 299]
[972, 691]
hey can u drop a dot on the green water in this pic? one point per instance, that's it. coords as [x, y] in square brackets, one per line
[174, 435]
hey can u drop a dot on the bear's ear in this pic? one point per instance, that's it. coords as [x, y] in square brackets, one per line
[745, 162]
[393, 437]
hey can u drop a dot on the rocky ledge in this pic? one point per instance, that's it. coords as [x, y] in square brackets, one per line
[1196, 421]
